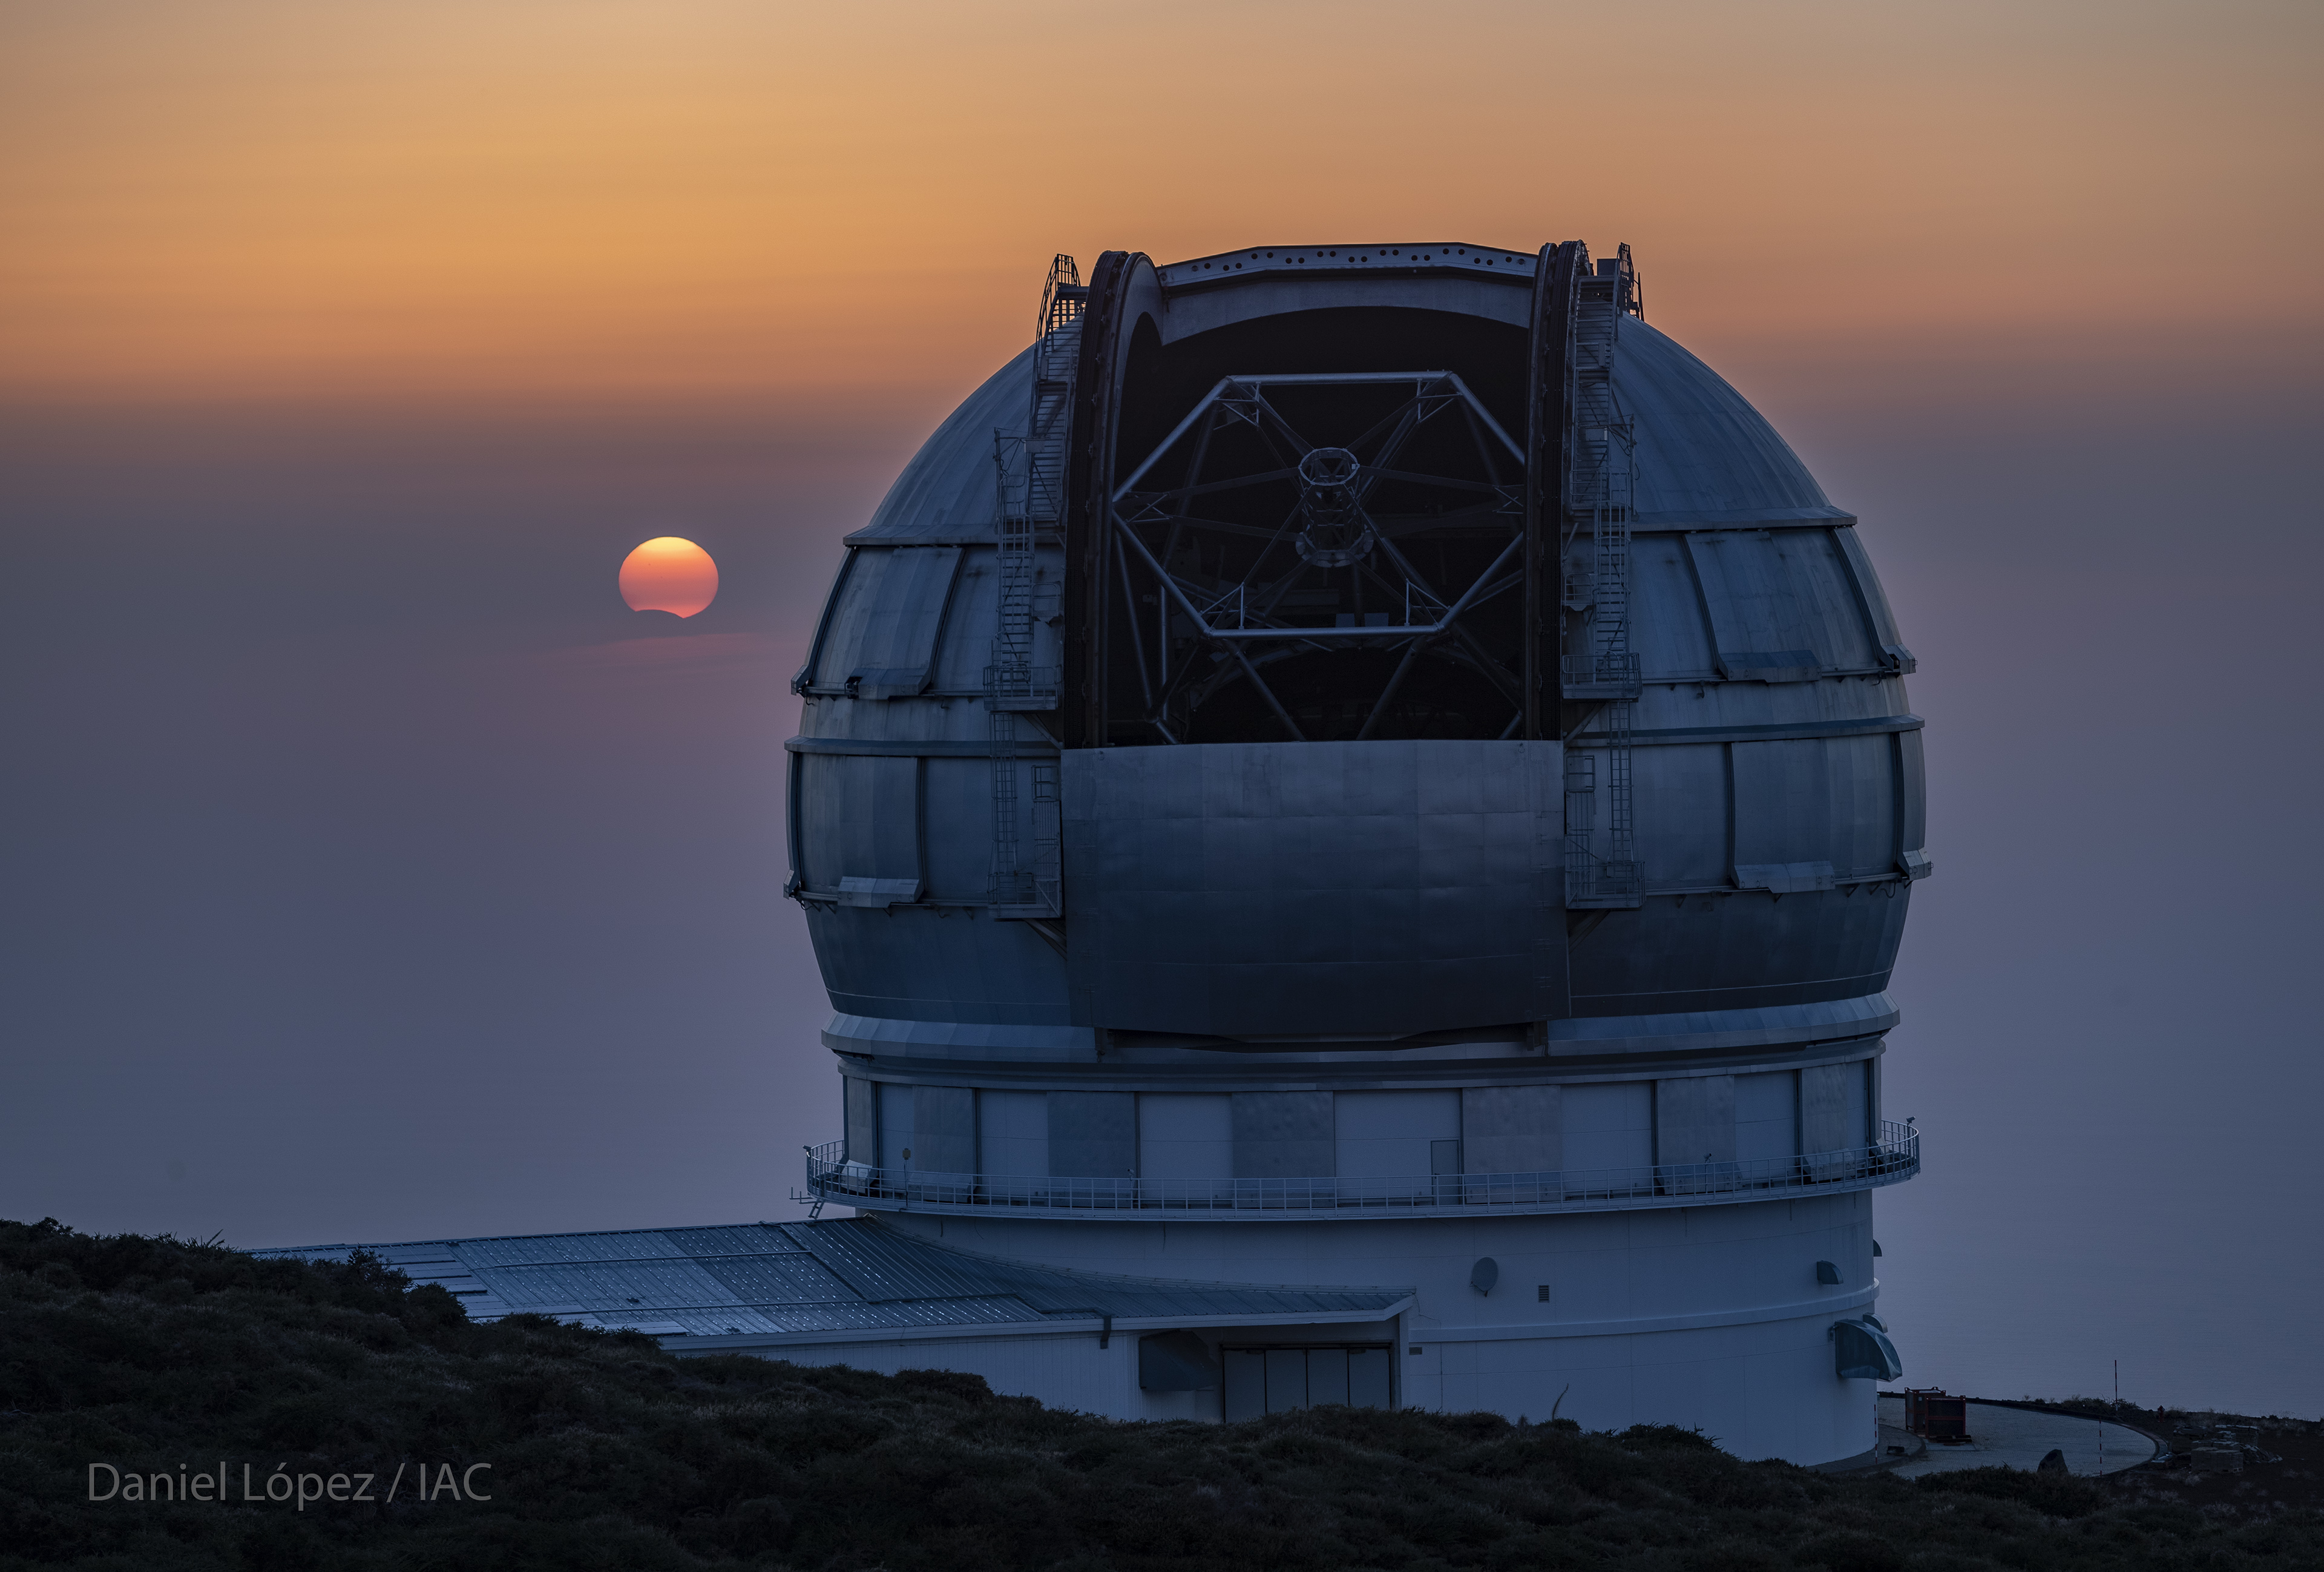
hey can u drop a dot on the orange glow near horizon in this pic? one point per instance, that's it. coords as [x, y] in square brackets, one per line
[263, 198]
[669, 573]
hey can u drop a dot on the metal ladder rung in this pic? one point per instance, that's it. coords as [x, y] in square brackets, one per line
[1601, 868]
[1030, 481]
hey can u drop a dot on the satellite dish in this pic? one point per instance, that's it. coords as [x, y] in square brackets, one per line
[1484, 1274]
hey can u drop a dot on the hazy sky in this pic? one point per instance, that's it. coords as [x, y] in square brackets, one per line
[373, 872]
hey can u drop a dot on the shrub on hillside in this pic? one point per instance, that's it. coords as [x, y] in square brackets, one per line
[606, 1451]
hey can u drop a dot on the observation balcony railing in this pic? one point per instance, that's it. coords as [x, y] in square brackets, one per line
[1895, 1158]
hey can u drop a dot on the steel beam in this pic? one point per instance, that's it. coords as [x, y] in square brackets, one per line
[1549, 394]
[1089, 493]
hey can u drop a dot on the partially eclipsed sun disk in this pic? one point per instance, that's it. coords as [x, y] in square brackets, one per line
[670, 574]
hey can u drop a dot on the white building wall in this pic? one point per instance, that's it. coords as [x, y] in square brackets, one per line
[1699, 1316]
[1760, 1389]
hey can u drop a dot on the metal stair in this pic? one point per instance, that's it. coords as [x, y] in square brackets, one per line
[1602, 871]
[1029, 471]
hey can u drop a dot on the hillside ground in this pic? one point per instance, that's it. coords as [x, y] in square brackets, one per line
[305, 1388]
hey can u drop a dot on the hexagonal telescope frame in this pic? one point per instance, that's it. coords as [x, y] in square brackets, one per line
[1278, 586]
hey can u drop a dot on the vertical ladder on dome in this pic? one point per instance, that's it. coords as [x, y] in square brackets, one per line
[1602, 444]
[1029, 474]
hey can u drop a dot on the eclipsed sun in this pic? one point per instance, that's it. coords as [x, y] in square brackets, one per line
[670, 574]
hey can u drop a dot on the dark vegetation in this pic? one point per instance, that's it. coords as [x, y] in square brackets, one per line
[154, 1354]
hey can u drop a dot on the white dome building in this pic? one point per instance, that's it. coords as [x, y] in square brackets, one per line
[1370, 767]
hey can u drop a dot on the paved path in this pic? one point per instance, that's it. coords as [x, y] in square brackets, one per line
[2019, 1438]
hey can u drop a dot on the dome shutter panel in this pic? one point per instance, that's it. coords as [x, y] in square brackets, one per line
[1365, 888]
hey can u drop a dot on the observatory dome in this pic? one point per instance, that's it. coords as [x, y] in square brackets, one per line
[1774, 769]
[1336, 729]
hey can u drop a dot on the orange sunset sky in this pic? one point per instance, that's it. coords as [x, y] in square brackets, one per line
[262, 200]
[378, 873]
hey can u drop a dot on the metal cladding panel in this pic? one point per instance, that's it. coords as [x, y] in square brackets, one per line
[1608, 1125]
[960, 825]
[914, 964]
[854, 1315]
[841, 1275]
[859, 819]
[882, 1264]
[1093, 1135]
[642, 1245]
[913, 621]
[1912, 794]
[1740, 952]
[718, 1321]
[1511, 1130]
[1835, 1111]
[896, 1132]
[1682, 809]
[791, 1276]
[863, 1119]
[965, 648]
[1874, 599]
[1388, 1134]
[1823, 800]
[1861, 795]
[1186, 1135]
[1766, 1115]
[1704, 453]
[947, 492]
[1370, 889]
[751, 1239]
[944, 1130]
[1012, 1132]
[1775, 596]
[1284, 1136]
[1695, 1120]
[1668, 628]
[879, 635]
[608, 1285]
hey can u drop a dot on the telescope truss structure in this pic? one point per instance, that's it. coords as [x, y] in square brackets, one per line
[1345, 556]
[1320, 556]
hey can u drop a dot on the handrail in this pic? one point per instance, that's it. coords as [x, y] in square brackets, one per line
[1895, 1157]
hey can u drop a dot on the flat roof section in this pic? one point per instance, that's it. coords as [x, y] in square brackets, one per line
[751, 1284]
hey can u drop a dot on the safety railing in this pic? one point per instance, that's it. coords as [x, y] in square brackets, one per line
[1896, 1156]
